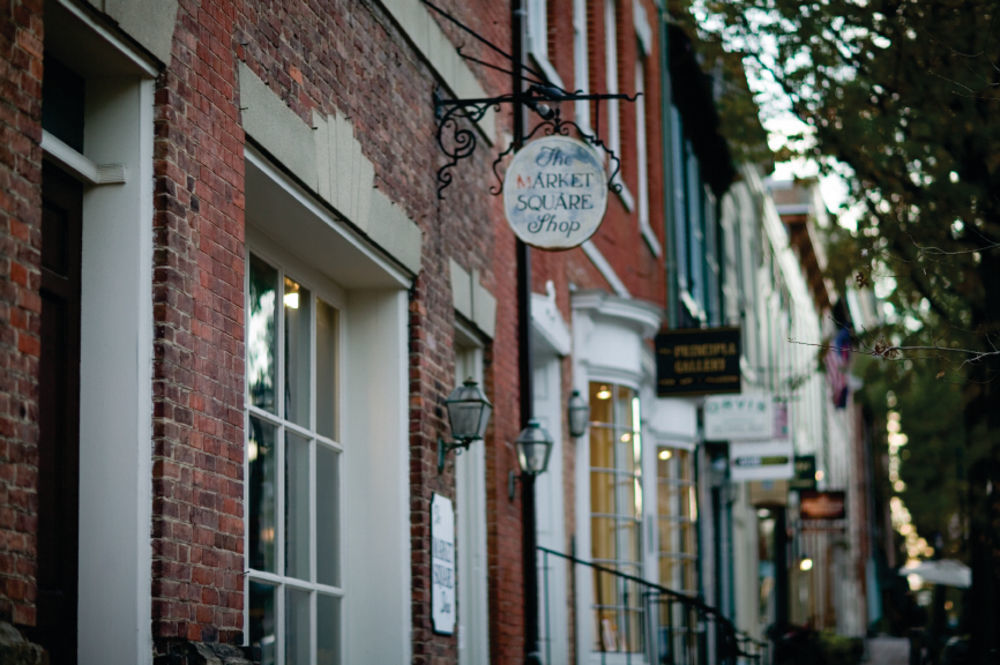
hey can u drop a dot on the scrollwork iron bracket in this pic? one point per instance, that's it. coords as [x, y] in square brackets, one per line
[457, 134]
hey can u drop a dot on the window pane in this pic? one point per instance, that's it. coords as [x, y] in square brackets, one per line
[297, 364]
[602, 492]
[263, 485]
[296, 506]
[616, 510]
[327, 516]
[326, 370]
[602, 449]
[600, 403]
[623, 407]
[262, 628]
[628, 544]
[297, 627]
[261, 370]
[328, 630]
[602, 534]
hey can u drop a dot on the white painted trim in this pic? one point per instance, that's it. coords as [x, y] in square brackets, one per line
[642, 29]
[78, 165]
[644, 317]
[605, 268]
[144, 368]
[623, 192]
[148, 67]
[307, 202]
[548, 69]
[471, 518]
[581, 68]
[116, 339]
[547, 321]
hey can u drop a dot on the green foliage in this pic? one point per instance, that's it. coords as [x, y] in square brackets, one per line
[906, 95]
[903, 96]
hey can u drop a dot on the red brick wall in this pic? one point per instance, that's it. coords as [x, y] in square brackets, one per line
[198, 343]
[20, 303]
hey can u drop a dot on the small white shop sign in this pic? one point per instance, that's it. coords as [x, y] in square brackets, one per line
[442, 564]
[739, 418]
[555, 193]
[761, 460]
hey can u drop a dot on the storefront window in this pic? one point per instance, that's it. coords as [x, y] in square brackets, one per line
[293, 471]
[616, 514]
[676, 515]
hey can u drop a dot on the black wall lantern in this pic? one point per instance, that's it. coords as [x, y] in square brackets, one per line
[534, 447]
[468, 414]
[579, 415]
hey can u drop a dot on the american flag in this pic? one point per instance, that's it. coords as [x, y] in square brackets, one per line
[836, 360]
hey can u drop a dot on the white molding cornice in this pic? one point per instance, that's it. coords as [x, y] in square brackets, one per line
[79, 165]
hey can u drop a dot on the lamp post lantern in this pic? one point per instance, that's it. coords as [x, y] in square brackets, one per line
[534, 447]
[468, 414]
[578, 415]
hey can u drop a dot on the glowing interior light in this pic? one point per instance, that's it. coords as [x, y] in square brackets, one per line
[665, 454]
[604, 393]
[292, 300]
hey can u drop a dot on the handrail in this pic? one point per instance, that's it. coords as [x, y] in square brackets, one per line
[733, 643]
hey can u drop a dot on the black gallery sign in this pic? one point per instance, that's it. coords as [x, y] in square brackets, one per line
[703, 361]
[555, 193]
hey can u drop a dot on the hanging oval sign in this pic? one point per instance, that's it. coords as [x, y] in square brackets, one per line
[555, 193]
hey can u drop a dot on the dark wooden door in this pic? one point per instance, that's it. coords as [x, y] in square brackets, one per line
[59, 416]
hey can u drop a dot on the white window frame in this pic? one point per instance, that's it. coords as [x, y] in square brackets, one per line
[642, 157]
[581, 65]
[470, 501]
[538, 39]
[612, 88]
[675, 550]
[319, 288]
[377, 605]
[638, 521]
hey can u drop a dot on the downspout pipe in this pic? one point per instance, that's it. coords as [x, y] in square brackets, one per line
[532, 648]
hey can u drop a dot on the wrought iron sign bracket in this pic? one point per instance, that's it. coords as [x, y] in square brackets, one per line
[456, 118]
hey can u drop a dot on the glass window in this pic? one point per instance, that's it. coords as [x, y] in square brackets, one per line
[679, 192]
[676, 516]
[616, 514]
[293, 470]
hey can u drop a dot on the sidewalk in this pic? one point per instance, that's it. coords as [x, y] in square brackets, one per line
[885, 650]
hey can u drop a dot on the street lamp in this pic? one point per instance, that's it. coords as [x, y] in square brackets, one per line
[534, 446]
[468, 413]
[579, 415]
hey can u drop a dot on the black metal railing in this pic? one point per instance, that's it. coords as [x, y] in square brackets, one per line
[643, 622]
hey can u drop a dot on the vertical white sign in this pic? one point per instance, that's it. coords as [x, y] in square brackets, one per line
[443, 564]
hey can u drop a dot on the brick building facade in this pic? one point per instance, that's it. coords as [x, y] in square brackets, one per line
[210, 149]
[187, 466]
